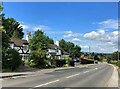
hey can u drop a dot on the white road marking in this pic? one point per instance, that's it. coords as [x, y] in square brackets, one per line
[47, 83]
[72, 75]
[86, 71]
[1, 79]
[96, 68]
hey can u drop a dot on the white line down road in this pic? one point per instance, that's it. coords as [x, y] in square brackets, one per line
[73, 75]
[86, 71]
[47, 83]
[100, 75]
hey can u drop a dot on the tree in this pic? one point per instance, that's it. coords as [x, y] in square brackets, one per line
[63, 44]
[11, 59]
[5, 40]
[39, 40]
[96, 57]
[77, 52]
[115, 55]
[1, 8]
[39, 45]
[4, 46]
[50, 40]
[11, 25]
[16, 34]
[39, 56]
[71, 48]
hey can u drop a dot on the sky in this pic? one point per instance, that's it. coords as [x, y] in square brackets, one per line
[87, 24]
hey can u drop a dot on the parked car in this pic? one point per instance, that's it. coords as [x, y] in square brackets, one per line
[76, 60]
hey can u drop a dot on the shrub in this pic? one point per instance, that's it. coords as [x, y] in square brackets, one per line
[32, 63]
[118, 64]
[67, 59]
[26, 62]
[38, 58]
[12, 60]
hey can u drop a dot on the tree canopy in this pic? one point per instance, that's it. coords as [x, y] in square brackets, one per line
[11, 59]
[11, 27]
[71, 48]
[40, 40]
[39, 45]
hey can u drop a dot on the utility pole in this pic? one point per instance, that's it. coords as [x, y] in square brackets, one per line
[118, 55]
[89, 52]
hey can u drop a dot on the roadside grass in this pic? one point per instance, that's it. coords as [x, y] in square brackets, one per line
[117, 63]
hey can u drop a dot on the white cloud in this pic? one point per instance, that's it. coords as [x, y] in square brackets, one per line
[105, 47]
[99, 35]
[24, 26]
[103, 40]
[84, 47]
[55, 32]
[41, 27]
[76, 40]
[69, 34]
[110, 23]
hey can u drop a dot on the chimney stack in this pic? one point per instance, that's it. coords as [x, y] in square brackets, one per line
[57, 42]
[28, 36]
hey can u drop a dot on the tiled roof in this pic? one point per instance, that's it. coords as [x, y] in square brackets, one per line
[18, 42]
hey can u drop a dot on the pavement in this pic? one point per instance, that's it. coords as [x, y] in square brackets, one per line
[119, 77]
[97, 75]
[113, 81]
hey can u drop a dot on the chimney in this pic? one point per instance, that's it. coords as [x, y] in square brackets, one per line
[57, 43]
[28, 36]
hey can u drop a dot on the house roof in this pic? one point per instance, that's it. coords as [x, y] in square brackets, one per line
[18, 42]
[54, 46]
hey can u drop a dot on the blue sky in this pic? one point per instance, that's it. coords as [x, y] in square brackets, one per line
[85, 24]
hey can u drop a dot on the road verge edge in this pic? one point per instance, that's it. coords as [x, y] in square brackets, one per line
[113, 81]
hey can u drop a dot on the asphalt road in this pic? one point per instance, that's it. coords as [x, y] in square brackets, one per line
[92, 76]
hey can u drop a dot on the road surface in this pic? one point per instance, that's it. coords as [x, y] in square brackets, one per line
[91, 76]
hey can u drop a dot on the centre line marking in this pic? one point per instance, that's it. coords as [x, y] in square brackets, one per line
[47, 83]
[72, 75]
[86, 71]
[96, 68]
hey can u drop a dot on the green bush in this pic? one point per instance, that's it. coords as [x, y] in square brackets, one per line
[12, 60]
[118, 64]
[67, 59]
[32, 63]
[38, 58]
[109, 60]
[26, 62]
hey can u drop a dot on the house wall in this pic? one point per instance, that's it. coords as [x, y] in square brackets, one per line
[25, 56]
[22, 51]
[52, 51]
[55, 51]
[12, 45]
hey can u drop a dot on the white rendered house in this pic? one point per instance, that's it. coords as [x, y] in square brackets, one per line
[21, 46]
